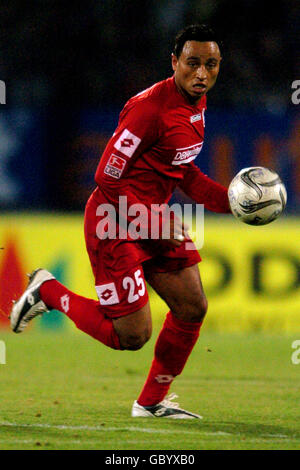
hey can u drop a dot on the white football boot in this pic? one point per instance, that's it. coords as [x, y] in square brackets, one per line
[29, 305]
[165, 409]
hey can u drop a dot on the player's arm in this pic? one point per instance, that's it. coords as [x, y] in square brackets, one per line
[204, 190]
[137, 131]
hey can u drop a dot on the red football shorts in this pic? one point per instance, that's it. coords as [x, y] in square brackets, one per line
[120, 267]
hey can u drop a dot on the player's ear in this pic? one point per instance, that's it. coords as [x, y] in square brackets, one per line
[174, 62]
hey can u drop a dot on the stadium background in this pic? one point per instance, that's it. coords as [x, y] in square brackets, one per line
[69, 69]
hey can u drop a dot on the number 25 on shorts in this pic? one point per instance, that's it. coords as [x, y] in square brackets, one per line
[134, 287]
[129, 284]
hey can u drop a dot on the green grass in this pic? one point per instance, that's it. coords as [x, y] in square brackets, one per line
[66, 391]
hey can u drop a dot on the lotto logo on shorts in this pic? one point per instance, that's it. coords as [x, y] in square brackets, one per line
[107, 294]
[115, 166]
[127, 143]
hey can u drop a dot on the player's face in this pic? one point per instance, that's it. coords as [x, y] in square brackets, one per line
[197, 68]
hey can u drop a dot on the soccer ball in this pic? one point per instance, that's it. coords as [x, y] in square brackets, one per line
[257, 195]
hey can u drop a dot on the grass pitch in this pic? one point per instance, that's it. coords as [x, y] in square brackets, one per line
[66, 391]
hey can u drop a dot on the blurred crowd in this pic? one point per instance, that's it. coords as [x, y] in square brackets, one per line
[101, 52]
[69, 68]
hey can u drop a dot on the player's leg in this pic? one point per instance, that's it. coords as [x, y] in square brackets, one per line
[135, 329]
[119, 325]
[121, 318]
[120, 287]
[183, 292]
[45, 293]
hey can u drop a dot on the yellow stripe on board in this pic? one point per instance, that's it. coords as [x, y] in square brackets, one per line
[251, 275]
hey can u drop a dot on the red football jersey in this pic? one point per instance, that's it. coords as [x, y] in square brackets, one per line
[159, 134]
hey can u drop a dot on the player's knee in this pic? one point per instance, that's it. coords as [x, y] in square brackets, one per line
[198, 312]
[133, 342]
[134, 330]
[194, 311]
[202, 308]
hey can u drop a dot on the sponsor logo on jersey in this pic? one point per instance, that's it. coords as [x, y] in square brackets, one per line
[115, 166]
[107, 294]
[127, 143]
[187, 154]
[196, 117]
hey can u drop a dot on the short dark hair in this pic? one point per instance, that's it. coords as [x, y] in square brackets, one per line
[195, 32]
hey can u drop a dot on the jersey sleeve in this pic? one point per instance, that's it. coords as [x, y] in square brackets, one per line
[204, 190]
[137, 131]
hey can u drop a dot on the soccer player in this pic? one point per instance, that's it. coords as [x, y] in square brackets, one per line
[159, 134]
